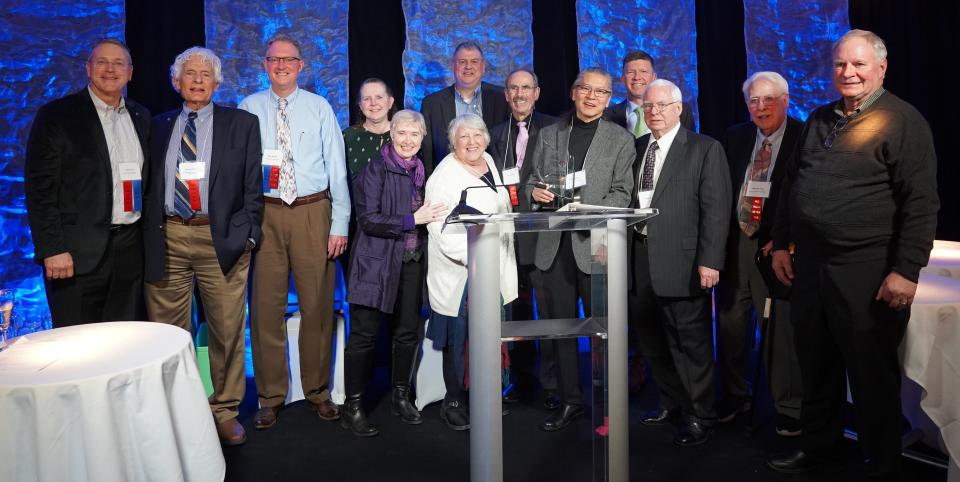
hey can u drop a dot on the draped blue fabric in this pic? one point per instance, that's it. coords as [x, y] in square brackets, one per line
[666, 29]
[435, 27]
[795, 39]
[237, 33]
[45, 46]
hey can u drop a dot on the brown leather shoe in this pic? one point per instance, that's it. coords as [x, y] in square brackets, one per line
[266, 417]
[231, 433]
[326, 410]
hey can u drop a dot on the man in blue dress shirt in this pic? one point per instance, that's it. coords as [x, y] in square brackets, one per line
[304, 230]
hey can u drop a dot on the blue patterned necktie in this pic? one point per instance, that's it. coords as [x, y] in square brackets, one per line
[188, 153]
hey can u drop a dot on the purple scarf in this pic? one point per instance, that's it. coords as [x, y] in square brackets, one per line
[391, 157]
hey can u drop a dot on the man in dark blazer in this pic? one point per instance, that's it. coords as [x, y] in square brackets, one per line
[677, 259]
[759, 153]
[467, 94]
[202, 218]
[599, 155]
[511, 144]
[83, 150]
[638, 72]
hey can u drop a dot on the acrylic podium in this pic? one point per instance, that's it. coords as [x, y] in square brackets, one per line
[607, 328]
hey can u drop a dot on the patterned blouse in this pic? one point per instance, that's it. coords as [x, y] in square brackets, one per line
[361, 146]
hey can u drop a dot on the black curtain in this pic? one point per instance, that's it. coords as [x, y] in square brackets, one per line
[922, 38]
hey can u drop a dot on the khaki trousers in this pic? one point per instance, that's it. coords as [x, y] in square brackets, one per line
[191, 256]
[294, 239]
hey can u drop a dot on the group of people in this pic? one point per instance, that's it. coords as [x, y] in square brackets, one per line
[129, 214]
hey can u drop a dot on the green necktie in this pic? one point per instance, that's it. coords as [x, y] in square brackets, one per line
[640, 128]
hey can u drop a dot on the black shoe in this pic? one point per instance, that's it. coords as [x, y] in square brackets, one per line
[788, 426]
[692, 432]
[562, 418]
[454, 414]
[353, 419]
[551, 401]
[512, 396]
[729, 407]
[659, 417]
[401, 406]
[800, 462]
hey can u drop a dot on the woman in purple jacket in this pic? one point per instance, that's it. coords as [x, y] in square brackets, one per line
[387, 268]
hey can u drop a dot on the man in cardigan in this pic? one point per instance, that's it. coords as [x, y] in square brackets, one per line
[860, 203]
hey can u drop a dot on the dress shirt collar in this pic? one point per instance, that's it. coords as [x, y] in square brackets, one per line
[665, 141]
[103, 106]
[838, 108]
[777, 135]
[290, 98]
[473, 100]
[203, 114]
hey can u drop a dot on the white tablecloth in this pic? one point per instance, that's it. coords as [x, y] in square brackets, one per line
[944, 259]
[106, 402]
[931, 354]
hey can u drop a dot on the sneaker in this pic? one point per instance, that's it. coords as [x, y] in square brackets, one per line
[788, 426]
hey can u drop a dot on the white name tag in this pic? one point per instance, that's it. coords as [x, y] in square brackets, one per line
[129, 171]
[272, 157]
[577, 179]
[645, 198]
[758, 189]
[192, 171]
[511, 176]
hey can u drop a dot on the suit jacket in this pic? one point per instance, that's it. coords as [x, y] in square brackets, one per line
[693, 196]
[235, 188]
[608, 174]
[502, 148]
[738, 143]
[618, 115]
[439, 108]
[69, 181]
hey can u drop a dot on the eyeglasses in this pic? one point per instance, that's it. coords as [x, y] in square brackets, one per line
[586, 90]
[835, 131]
[657, 108]
[104, 63]
[283, 60]
[520, 88]
[765, 100]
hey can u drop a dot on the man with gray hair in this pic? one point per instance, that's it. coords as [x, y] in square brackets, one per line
[468, 94]
[677, 258]
[307, 206]
[860, 204]
[202, 213]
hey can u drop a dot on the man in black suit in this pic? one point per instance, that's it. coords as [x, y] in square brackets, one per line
[759, 153]
[202, 215]
[511, 144]
[467, 94]
[84, 166]
[677, 259]
[638, 72]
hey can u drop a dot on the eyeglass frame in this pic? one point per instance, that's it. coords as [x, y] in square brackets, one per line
[836, 130]
[586, 90]
[762, 101]
[282, 60]
[656, 108]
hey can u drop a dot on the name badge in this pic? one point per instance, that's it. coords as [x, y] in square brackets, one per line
[578, 179]
[192, 171]
[511, 176]
[645, 198]
[132, 189]
[758, 189]
[272, 157]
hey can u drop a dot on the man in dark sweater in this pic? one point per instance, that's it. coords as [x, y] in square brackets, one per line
[860, 204]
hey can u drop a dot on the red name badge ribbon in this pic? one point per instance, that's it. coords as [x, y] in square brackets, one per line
[132, 197]
[194, 186]
[755, 209]
[514, 199]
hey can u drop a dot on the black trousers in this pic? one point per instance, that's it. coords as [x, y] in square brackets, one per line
[676, 338]
[407, 323]
[563, 284]
[112, 291]
[841, 331]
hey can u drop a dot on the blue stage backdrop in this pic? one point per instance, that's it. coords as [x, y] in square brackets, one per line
[795, 40]
[237, 35]
[667, 30]
[435, 27]
[45, 46]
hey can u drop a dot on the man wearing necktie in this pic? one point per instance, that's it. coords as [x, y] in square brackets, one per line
[202, 212]
[304, 231]
[758, 153]
[638, 72]
[676, 261]
[82, 177]
[511, 146]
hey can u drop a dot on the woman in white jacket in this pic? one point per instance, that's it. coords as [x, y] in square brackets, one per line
[467, 165]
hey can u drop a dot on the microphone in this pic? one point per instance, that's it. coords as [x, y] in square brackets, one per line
[463, 208]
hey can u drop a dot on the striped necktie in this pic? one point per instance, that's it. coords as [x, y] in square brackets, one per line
[188, 153]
